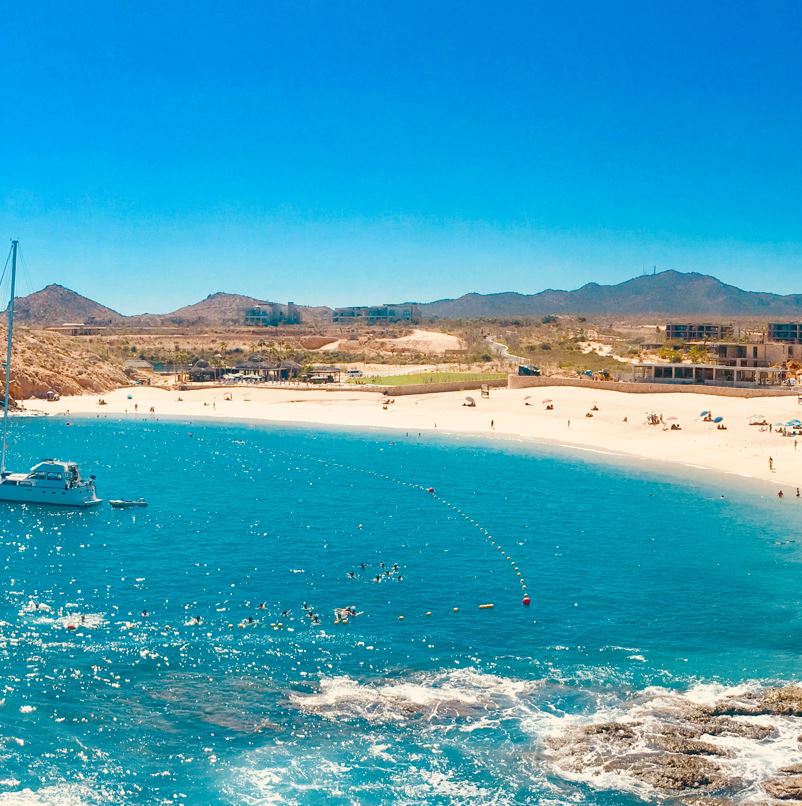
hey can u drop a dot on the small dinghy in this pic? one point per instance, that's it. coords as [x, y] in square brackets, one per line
[128, 503]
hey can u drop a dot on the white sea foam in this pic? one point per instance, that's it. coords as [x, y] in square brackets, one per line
[456, 693]
[57, 795]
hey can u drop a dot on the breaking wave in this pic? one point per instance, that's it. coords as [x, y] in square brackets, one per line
[724, 743]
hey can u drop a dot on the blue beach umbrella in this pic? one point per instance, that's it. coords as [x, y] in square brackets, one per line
[794, 422]
[718, 419]
[704, 414]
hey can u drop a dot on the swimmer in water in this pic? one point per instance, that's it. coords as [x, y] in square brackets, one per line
[261, 605]
[351, 575]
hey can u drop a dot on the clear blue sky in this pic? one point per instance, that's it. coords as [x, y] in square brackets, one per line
[352, 152]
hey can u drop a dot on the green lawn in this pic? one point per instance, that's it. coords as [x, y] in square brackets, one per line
[429, 377]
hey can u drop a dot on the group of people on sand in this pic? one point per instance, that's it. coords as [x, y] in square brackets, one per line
[781, 494]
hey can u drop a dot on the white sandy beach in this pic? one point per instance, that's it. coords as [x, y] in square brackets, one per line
[742, 449]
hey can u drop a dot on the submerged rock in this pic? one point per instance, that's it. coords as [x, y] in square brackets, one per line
[688, 747]
[785, 789]
[679, 773]
[691, 754]
[779, 701]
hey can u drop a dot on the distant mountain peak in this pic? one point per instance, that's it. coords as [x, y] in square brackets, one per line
[666, 293]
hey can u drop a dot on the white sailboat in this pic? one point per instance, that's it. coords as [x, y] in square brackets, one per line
[52, 481]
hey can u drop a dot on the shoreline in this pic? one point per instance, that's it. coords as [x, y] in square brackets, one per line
[618, 429]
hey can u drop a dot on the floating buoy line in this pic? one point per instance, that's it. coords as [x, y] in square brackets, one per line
[434, 495]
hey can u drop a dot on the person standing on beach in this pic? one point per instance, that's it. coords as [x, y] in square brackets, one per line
[771, 464]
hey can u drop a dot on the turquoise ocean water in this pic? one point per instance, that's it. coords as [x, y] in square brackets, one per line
[643, 587]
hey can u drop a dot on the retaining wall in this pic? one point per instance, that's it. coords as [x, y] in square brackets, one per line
[527, 381]
[431, 388]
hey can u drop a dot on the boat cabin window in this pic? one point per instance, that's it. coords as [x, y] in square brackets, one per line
[55, 477]
[39, 475]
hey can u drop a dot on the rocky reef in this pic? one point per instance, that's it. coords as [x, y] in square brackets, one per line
[664, 746]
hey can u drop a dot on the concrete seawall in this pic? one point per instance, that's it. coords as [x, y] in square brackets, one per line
[527, 382]
[451, 386]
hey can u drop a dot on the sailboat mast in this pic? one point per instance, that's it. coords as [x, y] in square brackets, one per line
[8, 351]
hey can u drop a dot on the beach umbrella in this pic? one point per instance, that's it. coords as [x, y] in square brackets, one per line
[793, 423]
[671, 418]
[547, 400]
[704, 414]
[130, 397]
[717, 419]
[470, 401]
[779, 425]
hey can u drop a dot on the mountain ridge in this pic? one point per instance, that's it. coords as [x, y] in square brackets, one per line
[667, 293]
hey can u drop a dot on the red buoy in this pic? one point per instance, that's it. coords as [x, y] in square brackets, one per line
[430, 490]
[526, 600]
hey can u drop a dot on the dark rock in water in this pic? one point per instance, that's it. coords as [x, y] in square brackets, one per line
[670, 773]
[725, 726]
[687, 747]
[785, 789]
[780, 701]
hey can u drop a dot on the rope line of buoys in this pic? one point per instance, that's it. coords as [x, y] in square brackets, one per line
[526, 600]
[488, 537]
[440, 499]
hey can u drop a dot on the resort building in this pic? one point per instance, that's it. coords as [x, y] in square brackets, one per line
[789, 332]
[376, 314]
[271, 314]
[254, 370]
[704, 331]
[730, 365]
[712, 374]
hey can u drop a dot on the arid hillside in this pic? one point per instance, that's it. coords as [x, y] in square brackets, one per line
[44, 362]
[55, 305]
